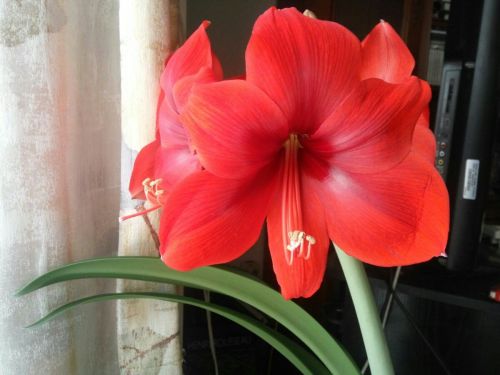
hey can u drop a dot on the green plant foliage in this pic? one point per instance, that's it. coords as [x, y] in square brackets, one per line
[216, 279]
[298, 356]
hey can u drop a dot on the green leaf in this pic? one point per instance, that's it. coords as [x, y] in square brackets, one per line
[298, 356]
[217, 279]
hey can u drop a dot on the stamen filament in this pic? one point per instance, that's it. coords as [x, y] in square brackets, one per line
[284, 223]
[153, 194]
[293, 236]
[140, 213]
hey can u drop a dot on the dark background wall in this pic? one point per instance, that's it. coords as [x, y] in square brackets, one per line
[230, 30]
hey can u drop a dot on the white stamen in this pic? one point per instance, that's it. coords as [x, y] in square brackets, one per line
[291, 204]
[310, 241]
[151, 189]
[153, 194]
[296, 240]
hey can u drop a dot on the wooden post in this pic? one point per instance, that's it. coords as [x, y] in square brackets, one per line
[148, 331]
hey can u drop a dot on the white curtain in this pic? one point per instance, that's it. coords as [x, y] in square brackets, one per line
[60, 147]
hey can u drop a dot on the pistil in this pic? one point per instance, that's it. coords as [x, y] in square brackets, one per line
[293, 234]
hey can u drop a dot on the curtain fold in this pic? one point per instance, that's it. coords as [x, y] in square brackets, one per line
[148, 331]
[60, 155]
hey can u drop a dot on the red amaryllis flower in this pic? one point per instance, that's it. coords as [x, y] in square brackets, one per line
[385, 56]
[317, 142]
[170, 157]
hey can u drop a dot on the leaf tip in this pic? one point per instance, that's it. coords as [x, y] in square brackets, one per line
[23, 290]
[19, 292]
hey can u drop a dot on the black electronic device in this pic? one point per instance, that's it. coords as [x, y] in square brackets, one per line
[445, 115]
[467, 118]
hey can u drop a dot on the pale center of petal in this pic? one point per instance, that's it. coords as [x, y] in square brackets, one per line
[293, 234]
[153, 194]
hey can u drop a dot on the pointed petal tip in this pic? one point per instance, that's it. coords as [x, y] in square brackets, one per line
[290, 294]
[171, 260]
[192, 55]
[204, 25]
[387, 26]
[303, 277]
[176, 263]
[310, 14]
[287, 295]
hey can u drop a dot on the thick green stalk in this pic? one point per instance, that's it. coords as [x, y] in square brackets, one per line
[367, 314]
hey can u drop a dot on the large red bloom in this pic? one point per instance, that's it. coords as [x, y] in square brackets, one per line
[170, 157]
[319, 140]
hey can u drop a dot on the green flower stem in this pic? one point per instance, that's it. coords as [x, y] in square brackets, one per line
[367, 314]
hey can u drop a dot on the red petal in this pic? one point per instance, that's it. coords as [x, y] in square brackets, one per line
[397, 217]
[171, 131]
[235, 128]
[209, 220]
[424, 143]
[423, 120]
[174, 164]
[305, 65]
[193, 55]
[192, 62]
[303, 277]
[385, 55]
[182, 88]
[372, 129]
[144, 167]
[170, 164]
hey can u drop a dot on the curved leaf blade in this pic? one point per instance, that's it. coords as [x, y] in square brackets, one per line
[218, 279]
[298, 356]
